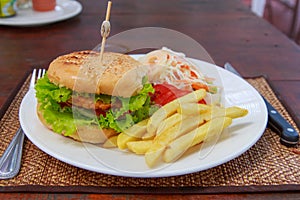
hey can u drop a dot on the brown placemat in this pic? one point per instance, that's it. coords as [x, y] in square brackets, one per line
[267, 166]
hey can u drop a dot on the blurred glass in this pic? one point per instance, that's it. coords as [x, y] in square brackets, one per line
[43, 5]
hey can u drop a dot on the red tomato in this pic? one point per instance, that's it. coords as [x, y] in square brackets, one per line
[165, 93]
[202, 101]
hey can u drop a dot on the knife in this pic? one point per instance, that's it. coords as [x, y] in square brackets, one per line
[288, 135]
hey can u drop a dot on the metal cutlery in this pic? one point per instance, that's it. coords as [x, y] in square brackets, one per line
[288, 135]
[10, 161]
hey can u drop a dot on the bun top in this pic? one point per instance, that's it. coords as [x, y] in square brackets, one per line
[117, 74]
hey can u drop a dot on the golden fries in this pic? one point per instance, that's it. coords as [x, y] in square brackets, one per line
[123, 139]
[158, 117]
[192, 109]
[213, 127]
[138, 130]
[139, 147]
[235, 112]
[176, 127]
[161, 141]
[168, 123]
[134, 133]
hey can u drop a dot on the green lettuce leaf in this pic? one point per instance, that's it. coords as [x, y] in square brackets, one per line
[49, 97]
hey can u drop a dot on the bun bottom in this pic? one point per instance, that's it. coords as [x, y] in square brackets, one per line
[89, 134]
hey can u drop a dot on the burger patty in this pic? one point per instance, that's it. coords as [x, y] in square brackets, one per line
[88, 103]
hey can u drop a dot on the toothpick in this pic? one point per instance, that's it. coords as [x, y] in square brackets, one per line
[105, 29]
[108, 10]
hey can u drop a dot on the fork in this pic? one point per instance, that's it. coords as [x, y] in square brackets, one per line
[10, 162]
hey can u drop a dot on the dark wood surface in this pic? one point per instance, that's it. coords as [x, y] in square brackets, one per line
[226, 29]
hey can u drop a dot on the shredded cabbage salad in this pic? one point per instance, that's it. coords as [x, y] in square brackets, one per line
[169, 67]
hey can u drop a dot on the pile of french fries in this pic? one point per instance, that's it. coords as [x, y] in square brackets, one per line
[174, 128]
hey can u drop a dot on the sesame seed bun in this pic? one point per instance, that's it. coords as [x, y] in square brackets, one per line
[117, 74]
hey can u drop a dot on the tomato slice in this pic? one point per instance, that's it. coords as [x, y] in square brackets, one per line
[202, 101]
[165, 93]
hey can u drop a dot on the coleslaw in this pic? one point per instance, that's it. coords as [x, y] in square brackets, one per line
[174, 68]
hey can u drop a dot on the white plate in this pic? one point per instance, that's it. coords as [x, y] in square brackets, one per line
[64, 9]
[234, 141]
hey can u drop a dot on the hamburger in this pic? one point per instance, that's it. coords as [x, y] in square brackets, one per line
[89, 99]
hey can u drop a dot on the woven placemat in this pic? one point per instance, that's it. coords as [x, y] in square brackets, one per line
[267, 166]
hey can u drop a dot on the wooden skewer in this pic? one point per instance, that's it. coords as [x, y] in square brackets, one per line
[108, 10]
[105, 29]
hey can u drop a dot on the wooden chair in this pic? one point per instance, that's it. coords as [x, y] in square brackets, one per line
[297, 39]
[293, 6]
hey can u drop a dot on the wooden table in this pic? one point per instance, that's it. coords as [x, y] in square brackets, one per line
[226, 29]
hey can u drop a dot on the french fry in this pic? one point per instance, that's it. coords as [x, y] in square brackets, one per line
[154, 153]
[192, 108]
[139, 147]
[235, 112]
[216, 126]
[169, 122]
[123, 139]
[232, 112]
[110, 142]
[161, 114]
[170, 108]
[137, 130]
[193, 97]
[157, 147]
[211, 128]
[186, 125]
[133, 133]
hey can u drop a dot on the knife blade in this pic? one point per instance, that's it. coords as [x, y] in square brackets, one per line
[288, 135]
